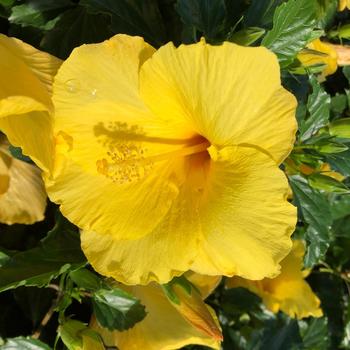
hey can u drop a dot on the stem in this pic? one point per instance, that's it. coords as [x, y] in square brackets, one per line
[44, 321]
[50, 312]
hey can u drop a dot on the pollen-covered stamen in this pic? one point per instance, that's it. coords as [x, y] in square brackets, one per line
[128, 162]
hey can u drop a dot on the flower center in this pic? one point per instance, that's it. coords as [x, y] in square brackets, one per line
[128, 162]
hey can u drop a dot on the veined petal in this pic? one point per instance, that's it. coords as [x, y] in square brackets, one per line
[107, 141]
[229, 94]
[245, 217]
[288, 292]
[32, 132]
[41, 64]
[163, 328]
[121, 211]
[167, 251]
[343, 4]
[23, 200]
[28, 73]
[25, 99]
[204, 283]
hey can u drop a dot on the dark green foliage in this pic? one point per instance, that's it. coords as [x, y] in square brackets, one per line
[22, 343]
[293, 23]
[56, 254]
[116, 309]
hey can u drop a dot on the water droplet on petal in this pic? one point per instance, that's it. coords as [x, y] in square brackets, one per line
[94, 93]
[72, 85]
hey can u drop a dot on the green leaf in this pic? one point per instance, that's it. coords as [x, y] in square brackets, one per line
[260, 13]
[41, 14]
[3, 258]
[277, 335]
[315, 334]
[315, 209]
[340, 128]
[182, 282]
[133, 17]
[22, 343]
[329, 147]
[7, 3]
[74, 28]
[339, 103]
[17, 153]
[342, 32]
[116, 309]
[318, 105]
[340, 207]
[86, 279]
[293, 23]
[57, 253]
[340, 162]
[75, 335]
[346, 339]
[325, 10]
[248, 36]
[326, 183]
[70, 333]
[34, 302]
[207, 16]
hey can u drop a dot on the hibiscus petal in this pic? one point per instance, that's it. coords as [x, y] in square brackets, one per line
[163, 328]
[229, 94]
[25, 100]
[167, 251]
[24, 200]
[245, 217]
[106, 140]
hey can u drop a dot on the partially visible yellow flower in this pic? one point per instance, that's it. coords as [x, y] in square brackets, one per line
[342, 52]
[288, 292]
[343, 4]
[22, 192]
[164, 327]
[318, 52]
[25, 98]
[324, 53]
[324, 169]
[163, 160]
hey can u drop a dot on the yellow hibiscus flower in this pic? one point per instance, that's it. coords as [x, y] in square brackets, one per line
[343, 4]
[319, 52]
[168, 160]
[25, 98]
[22, 192]
[288, 292]
[165, 327]
[324, 53]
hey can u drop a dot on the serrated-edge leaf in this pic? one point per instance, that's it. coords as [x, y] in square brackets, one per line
[116, 309]
[318, 105]
[316, 212]
[293, 23]
[23, 343]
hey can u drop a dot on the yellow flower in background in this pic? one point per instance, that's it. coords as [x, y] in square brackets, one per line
[168, 160]
[288, 292]
[25, 98]
[342, 52]
[324, 53]
[321, 168]
[164, 327]
[318, 52]
[22, 192]
[343, 4]
[324, 169]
